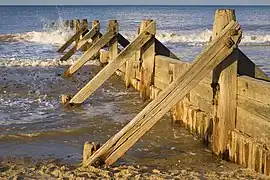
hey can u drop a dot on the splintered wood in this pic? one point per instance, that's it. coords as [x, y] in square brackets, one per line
[213, 55]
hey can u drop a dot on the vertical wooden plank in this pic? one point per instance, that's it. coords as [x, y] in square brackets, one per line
[66, 24]
[76, 29]
[113, 44]
[96, 37]
[71, 24]
[133, 66]
[225, 90]
[148, 61]
[130, 71]
[84, 26]
[267, 165]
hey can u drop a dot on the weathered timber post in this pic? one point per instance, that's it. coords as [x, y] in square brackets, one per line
[113, 44]
[71, 24]
[76, 25]
[148, 61]
[224, 84]
[133, 67]
[84, 25]
[66, 23]
[76, 29]
[96, 37]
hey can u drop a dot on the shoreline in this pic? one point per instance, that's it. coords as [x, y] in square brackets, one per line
[51, 169]
[162, 154]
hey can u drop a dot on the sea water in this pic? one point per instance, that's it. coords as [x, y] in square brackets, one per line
[32, 120]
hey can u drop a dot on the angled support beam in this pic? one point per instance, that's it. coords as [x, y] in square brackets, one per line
[213, 55]
[108, 70]
[82, 42]
[71, 40]
[110, 34]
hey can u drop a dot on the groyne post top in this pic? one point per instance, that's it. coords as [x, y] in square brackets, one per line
[224, 83]
[71, 24]
[84, 24]
[222, 18]
[113, 44]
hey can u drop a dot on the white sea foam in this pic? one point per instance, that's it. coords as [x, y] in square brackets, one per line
[200, 38]
[40, 63]
[57, 34]
[51, 35]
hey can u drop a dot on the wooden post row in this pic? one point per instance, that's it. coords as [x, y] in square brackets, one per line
[101, 42]
[84, 41]
[115, 64]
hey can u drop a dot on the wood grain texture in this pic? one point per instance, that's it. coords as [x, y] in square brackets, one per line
[215, 53]
[253, 119]
[257, 90]
[225, 89]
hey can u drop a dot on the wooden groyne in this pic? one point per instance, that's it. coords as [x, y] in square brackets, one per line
[222, 96]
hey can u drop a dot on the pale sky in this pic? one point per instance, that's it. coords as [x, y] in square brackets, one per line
[137, 2]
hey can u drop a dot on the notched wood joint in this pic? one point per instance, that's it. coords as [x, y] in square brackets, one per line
[229, 42]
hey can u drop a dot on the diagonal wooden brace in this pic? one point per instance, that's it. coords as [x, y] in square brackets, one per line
[212, 56]
[82, 42]
[110, 34]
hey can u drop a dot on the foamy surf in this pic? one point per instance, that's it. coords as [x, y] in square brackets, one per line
[41, 63]
[201, 38]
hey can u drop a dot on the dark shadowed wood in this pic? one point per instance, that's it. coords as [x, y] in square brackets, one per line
[248, 68]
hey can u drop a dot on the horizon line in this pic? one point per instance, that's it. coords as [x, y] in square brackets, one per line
[134, 4]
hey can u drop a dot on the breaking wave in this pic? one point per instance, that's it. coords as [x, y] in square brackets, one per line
[200, 38]
[40, 63]
[60, 34]
[56, 34]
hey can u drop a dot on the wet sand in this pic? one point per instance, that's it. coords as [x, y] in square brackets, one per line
[40, 139]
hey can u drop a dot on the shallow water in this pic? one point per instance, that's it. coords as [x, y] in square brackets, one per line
[36, 125]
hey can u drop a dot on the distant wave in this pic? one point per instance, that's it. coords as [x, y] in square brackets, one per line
[60, 35]
[200, 38]
[56, 35]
